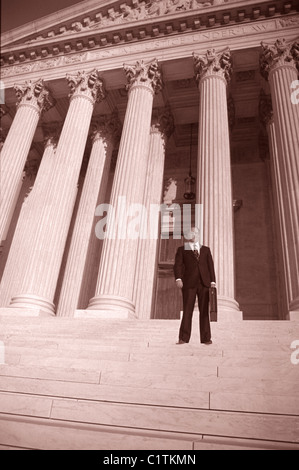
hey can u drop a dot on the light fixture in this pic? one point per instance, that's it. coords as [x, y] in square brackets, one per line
[190, 180]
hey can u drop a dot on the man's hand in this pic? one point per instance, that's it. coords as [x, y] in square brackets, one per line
[213, 284]
[179, 283]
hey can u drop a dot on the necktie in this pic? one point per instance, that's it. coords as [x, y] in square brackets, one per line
[196, 252]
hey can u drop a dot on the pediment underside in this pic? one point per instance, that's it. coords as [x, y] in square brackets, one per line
[115, 23]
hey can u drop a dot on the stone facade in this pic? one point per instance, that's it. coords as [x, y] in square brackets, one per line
[90, 130]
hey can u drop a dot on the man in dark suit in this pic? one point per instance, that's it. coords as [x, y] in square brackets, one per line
[195, 274]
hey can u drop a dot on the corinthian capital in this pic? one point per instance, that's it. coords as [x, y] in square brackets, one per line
[144, 74]
[213, 63]
[163, 122]
[277, 55]
[265, 108]
[107, 128]
[295, 53]
[51, 133]
[87, 85]
[34, 94]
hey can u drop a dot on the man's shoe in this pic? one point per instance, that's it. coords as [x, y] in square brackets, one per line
[181, 342]
[208, 343]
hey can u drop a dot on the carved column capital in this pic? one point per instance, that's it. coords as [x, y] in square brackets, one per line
[265, 108]
[146, 75]
[213, 63]
[51, 133]
[87, 85]
[31, 169]
[34, 94]
[107, 128]
[280, 54]
[3, 111]
[295, 53]
[163, 122]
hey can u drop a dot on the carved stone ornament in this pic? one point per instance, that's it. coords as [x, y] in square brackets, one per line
[144, 74]
[51, 132]
[139, 10]
[88, 85]
[295, 53]
[34, 94]
[107, 128]
[163, 122]
[213, 63]
[265, 108]
[31, 169]
[279, 54]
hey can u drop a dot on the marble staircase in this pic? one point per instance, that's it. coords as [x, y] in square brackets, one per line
[124, 384]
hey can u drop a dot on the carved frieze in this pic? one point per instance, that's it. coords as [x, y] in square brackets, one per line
[105, 45]
[125, 13]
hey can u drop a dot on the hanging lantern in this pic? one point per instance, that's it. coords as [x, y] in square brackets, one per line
[190, 180]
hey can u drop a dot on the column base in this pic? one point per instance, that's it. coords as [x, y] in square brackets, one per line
[228, 309]
[24, 312]
[111, 306]
[294, 315]
[34, 303]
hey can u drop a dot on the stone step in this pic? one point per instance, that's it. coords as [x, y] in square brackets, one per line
[279, 428]
[38, 433]
[213, 393]
[153, 381]
[126, 384]
[104, 326]
[148, 356]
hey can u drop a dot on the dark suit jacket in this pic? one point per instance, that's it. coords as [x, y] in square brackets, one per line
[191, 271]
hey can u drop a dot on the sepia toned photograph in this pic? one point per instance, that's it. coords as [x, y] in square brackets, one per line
[149, 227]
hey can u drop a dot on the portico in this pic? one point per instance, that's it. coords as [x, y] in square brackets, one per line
[145, 79]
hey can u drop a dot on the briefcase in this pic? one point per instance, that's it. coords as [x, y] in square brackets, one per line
[213, 304]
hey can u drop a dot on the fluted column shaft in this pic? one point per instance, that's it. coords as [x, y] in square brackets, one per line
[214, 190]
[39, 283]
[115, 286]
[15, 266]
[161, 129]
[33, 98]
[278, 65]
[94, 190]
[267, 118]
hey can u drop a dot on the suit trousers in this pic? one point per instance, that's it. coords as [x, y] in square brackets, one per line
[189, 297]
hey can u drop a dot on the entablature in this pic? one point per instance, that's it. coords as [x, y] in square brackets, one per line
[134, 22]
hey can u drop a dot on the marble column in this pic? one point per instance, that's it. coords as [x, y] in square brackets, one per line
[267, 119]
[32, 99]
[105, 134]
[214, 184]
[115, 286]
[278, 66]
[44, 257]
[16, 263]
[161, 129]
